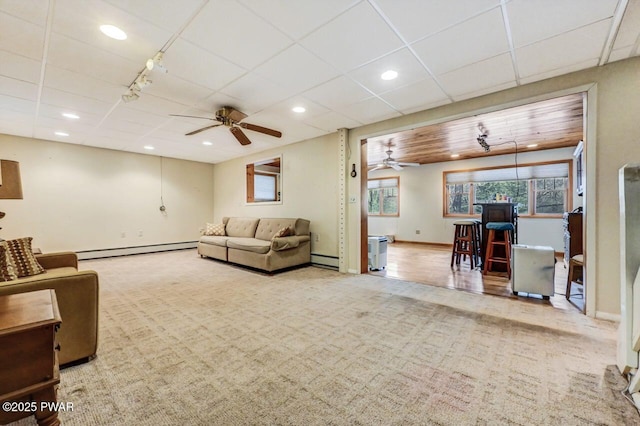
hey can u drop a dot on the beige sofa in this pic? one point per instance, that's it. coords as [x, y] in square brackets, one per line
[252, 242]
[77, 296]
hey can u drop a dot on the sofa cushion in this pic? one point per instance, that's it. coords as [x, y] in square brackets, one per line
[214, 229]
[267, 228]
[22, 257]
[214, 240]
[249, 244]
[7, 270]
[241, 226]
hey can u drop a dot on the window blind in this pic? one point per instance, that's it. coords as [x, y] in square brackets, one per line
[265, 188]
[540, 171]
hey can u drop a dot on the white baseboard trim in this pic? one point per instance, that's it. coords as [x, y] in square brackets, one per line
[125, 251]
[607, 316]
[325, 261]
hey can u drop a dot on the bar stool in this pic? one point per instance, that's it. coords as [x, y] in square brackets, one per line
[465, 242]
[504, 228]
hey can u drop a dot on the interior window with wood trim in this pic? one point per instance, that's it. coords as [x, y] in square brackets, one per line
[539, 189]
[383, 196]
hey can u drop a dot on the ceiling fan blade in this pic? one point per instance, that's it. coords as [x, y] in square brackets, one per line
[236, 115]
[378, 167]
[409, 164]
[260, 129]
[239, 134]
[192, 116]
[395, 167]
[203, 129]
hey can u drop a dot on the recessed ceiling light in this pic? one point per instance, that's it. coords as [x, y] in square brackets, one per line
[149, 147]
[389, 75]
[207, 143]
[113, 32]
[533, 145]
[299, 109]
[455, 155]
[62, 134]
[70, 115]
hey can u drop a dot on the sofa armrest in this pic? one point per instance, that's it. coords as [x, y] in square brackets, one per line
[58, 260]
[285, 243]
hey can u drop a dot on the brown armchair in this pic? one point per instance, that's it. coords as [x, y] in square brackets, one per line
[77, 293]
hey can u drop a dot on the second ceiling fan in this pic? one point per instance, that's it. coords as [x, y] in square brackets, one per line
[232, 118]
[390, 162]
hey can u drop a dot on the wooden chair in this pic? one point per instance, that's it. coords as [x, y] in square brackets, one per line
[575, 266]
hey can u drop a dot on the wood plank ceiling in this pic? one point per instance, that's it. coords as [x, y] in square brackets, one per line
[552, 123]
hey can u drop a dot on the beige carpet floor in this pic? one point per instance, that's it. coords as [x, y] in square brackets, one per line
[191, 341]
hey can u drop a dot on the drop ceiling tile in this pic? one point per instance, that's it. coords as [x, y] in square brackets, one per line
[332, 121]
[19, 67]
[79, 57]
[417, 96]
[417, 19]
[564, 50]
[369, 111]
[82, 84]
[629, 31]
[485, 91]
[338, 92]
[296, 70]
[620, 54]
[25, 10]
[74, 102]
[58, 123]
[409, 70]
[246, 87]
[107, 142]
[8, 126]
[195, 64]
[298, 18]
[177, 90]
[167, 14]
[481, 75]
[292, 130]
[157, 105]
[19, 89]
[363, 36]
[17, 105]
[81, 20]
[54, 111]
[113, 123]
[532, 21]
[589, 63]
[284, 109]
[236, 34]
[474, 40]
[20, 37]
[124, 112]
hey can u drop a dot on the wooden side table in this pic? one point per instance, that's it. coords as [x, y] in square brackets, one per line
[29, 373]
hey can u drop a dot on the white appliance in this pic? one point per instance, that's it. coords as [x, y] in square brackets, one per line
[377, 249]
[533, 269]
[629, 328]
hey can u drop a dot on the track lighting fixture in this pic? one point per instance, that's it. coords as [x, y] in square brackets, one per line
[130, 96]
[141, 82]
[156, 63]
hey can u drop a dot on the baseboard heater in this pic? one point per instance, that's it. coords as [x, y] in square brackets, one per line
[125, 251]
[324, 261]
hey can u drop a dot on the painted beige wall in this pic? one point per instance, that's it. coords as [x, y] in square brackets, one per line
[82, 198]
[309, 189]
[614, 108]
[421, 200]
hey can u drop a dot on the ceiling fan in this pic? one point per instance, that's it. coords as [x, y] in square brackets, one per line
[390, 162]
[232, 118]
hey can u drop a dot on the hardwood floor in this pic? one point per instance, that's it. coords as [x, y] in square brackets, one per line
[429, 264]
